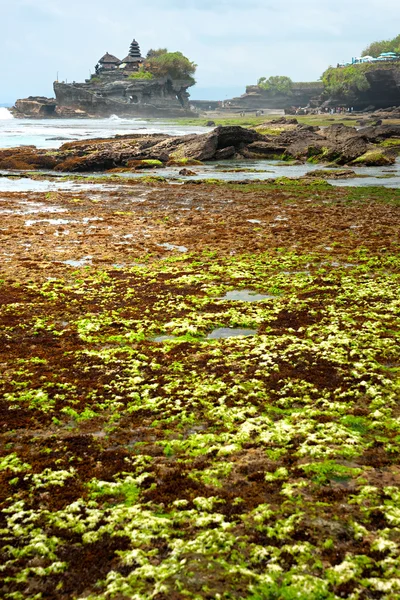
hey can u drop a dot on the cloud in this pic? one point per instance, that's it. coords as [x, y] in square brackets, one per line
[233, 42]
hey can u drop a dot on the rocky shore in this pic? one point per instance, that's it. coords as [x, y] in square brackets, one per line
[199, 392]
[373, 145]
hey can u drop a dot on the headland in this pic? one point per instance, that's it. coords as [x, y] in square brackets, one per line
[156, 86]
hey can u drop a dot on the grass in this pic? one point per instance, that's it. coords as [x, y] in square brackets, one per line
[253, 121]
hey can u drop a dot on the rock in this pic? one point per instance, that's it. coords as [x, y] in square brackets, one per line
[187, 172]
[303, 143]
[183, 162]
[114, 93]
[351, 149]
[36, 107]
[210, 124]
[235, 136]
[225, 153]
[265, 149]
[338, 133]
[144, 164]
[376, 158]
[338, 144]
[326, 174]
[282, 121]
[380, 132]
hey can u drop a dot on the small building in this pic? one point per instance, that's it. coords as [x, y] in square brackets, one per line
[108, 62]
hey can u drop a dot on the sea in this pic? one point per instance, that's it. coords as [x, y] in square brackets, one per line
[52, 133]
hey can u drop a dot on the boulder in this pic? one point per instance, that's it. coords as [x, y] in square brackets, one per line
[225, 153]
[187, 172]
[380, 132]
[327, 174]
[376, 157]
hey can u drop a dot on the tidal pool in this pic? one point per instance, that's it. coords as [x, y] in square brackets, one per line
[246, 296]
[222, 333]
[231, 170]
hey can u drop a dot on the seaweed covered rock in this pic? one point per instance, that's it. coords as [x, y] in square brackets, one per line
[339, 144]
[376, 157]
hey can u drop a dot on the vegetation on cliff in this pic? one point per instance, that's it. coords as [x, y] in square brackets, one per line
[141, 74]
[376, 48]
[162, 63]
[279, 84]
[349, 81]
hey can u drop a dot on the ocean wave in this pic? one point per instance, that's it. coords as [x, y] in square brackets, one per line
[5, 114]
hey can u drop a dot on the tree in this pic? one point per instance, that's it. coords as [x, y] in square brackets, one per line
[170, 64]
[376, 48]
[151, 53]
[346, 81]
[279, 84]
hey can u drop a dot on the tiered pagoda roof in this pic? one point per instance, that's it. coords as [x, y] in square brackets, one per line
[134, 51]
[129, 60]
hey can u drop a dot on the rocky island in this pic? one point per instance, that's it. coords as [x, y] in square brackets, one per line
[155, 86]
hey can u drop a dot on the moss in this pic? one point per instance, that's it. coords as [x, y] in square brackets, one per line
[375, 158]
[145, 164]
[183, 162]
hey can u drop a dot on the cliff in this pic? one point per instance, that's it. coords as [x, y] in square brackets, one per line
[122, 96]
[383, 89]
[38, 107]
[257, 98]
[35, 106]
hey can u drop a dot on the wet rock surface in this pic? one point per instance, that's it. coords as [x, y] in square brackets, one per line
[337, 143]
[130, 444]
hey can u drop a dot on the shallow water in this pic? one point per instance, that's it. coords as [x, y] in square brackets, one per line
[82, 262]
[25, 184]
[169, 246]
[246, 296]
[223, 333]
[259, 170]
[43, 133]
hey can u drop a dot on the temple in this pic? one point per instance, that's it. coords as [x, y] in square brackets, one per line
[108, 62]
[131, 63]
[115, 88]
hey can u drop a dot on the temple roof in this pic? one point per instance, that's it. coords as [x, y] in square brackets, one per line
[132, 59]
[134, 50]
[109, 59]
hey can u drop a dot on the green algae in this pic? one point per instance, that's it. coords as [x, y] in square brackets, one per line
[258, 467]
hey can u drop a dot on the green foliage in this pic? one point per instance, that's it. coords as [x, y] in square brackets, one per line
[141, 74]
[170, 64]
[279, 84]
[376, 48]
[152, 53]
[347, 80]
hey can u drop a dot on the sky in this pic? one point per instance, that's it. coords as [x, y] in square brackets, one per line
[233, 42]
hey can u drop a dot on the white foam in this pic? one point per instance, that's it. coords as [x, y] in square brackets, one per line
[5, 114]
